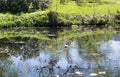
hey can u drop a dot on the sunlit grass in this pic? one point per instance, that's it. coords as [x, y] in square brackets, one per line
[88, 9]
[22, 19]
[114, 1]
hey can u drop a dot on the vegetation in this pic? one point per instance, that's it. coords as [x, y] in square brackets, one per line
[91, 22]
[16, 6]
[58, 12]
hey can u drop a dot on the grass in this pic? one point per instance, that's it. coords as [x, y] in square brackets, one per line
[113, 1]
[23, 19]
[88, 9]
[69, 13]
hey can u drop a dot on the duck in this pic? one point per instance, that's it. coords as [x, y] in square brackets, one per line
[66, 46]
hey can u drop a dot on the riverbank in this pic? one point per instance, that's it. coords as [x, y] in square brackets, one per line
[91, 14]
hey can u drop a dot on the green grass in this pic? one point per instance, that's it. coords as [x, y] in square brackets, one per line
[72, 13]
[23, 19]
[88, 9]
[113, 1]
[67, 14]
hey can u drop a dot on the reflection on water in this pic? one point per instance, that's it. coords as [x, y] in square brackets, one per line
[112, 51]
[72, 57]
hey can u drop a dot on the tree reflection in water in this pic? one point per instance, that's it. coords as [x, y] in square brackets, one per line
[82, 56]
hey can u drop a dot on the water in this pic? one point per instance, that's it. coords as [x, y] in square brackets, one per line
[69, 57]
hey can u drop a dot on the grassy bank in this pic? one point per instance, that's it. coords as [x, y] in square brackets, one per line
[64, 15]
[21, 20]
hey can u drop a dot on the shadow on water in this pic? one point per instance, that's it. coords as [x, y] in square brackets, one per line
[89, 56]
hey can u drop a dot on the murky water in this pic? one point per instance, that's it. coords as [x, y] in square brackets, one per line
[70, 57]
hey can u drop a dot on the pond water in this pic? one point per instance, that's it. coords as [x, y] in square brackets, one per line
[91, 56]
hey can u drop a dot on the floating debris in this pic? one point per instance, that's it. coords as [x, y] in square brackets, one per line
[37, 32]
[51, 35]
[95, 54]
[79, 73]
[93, 74]
[92, 54]
[4, 51]
[102, 72]
[70, 74]
[20, 42]
[22, 47]
[56, 76]
[15, 42]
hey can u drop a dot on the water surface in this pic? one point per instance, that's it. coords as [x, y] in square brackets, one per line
[30, 57]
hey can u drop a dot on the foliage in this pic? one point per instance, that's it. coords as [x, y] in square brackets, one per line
[62, 15]
[64, 1]
[29, 19]
[40, 4]
[52, 17]
[87, 1]
[16, 6]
